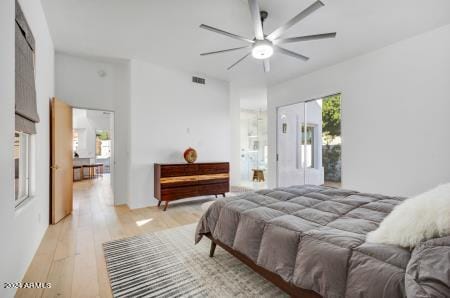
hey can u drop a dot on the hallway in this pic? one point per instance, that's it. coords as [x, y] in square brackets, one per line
[70, 256]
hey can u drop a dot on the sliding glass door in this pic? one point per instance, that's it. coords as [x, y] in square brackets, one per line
[331, 140]
[309, 143]
[312, 143]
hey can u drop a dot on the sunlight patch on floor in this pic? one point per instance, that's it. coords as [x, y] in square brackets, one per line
[142, 222]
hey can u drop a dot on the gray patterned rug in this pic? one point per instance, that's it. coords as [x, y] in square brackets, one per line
[168, 264]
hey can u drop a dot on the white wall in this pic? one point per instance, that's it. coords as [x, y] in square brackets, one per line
[78, 83]
[22, 229]
[395, 114]
[169, 113]
[235, 143]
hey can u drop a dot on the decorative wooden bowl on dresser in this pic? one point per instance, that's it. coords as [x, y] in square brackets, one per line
[179, 181]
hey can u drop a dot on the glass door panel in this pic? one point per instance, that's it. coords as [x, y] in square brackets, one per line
[331, 140]
[313, 143]
[290, 156]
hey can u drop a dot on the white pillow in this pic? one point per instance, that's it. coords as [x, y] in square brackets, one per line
[416, 219]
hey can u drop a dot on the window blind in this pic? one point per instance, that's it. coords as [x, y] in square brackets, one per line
[25, 102]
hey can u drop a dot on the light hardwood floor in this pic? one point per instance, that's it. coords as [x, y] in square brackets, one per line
[70, 255]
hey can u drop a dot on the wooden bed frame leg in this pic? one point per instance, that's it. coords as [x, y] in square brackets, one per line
[159, 203]
[223, 195]
[212, 249]
[166, 205]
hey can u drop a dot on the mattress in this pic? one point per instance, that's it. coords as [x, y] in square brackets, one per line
[314, 238]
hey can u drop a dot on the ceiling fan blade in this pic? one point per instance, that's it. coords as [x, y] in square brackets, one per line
[266, 64]
[306, 12]
[224, 51]
[206, 27]
[292, 54]
[306, 38]
[234, 64]
[256, 17]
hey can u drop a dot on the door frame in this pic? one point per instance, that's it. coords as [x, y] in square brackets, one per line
[277, 108]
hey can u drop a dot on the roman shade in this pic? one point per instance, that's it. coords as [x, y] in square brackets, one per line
[26, 110]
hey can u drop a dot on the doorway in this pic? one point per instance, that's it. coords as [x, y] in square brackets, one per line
[309, 144]
[93, 147]
[253, 149]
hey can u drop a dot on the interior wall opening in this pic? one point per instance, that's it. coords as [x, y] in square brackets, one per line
[254, 148]
[93, 148]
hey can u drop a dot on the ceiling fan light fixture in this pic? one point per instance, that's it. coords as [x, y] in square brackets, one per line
[263, 46]
[262, 49]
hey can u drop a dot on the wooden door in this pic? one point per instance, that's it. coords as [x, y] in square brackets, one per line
[61, 160]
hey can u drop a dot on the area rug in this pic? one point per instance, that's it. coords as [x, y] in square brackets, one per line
[168, 264]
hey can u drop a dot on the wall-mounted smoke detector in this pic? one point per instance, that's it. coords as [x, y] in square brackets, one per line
[101, 73]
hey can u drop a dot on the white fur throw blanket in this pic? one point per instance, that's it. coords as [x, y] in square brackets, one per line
[419, 218]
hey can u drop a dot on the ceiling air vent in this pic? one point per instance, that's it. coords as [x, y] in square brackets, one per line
[198, 80]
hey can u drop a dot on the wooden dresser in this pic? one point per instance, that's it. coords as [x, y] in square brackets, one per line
[178, 181]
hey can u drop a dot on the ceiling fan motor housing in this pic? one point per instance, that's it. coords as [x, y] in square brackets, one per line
[262, 49]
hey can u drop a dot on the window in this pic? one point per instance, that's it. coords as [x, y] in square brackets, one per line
[307, 145]
[26, 115]
[102, 144]
[22, 167]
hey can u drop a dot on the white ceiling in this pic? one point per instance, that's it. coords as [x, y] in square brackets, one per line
[166, 32]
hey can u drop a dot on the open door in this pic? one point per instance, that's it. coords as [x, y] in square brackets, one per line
[61, 160]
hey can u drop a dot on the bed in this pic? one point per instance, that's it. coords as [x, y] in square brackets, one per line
[310, 242]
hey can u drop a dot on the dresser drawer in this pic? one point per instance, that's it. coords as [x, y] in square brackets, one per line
[215, 168]
[209, 189]
[214, 181]
[178, 170]
[168, 182]
[169, 194]
[180, 181]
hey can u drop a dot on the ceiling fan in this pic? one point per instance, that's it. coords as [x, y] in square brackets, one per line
[263, 46]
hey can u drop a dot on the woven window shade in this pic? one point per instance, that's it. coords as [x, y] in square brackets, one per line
[26, 109]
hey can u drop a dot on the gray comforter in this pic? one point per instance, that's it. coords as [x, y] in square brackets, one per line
[314, 238]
